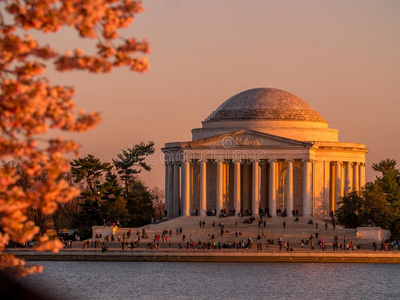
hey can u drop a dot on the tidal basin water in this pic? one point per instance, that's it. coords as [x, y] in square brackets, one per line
[148, 280]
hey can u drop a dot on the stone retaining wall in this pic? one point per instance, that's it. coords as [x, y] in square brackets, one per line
[374, 233]
[200, 256]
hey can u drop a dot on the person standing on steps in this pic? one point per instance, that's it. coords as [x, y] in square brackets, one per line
[266, 246]
[284, 225]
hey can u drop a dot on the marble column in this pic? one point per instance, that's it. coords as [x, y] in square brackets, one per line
[362, 175]
[255, 193]
[203, 188]
[170, 190]
[185, 192]
[236, 189]
[176, 205]
[166, 188]
[338, 184]
[272, 188]
[307, 182]
[342, 182]
[356, 176]
[326, 187]
[219, 186]
[289, 188]
[332, 191]
[349, 177]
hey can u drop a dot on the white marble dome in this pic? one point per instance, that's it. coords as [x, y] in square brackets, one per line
[265, 104]
[267, 110]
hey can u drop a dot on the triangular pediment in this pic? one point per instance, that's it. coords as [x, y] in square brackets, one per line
[246, 138]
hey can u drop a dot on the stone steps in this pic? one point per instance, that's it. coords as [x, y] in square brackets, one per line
[294, 231]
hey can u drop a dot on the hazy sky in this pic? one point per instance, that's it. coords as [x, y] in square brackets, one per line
[342, 57]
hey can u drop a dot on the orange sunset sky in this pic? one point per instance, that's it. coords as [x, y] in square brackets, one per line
[341, 57]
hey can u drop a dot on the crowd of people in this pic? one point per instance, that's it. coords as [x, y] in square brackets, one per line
[187, 240]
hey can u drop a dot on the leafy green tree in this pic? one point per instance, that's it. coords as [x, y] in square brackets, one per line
[368, 207]
[115, 210]
[350, 210]
[389, 181]
[91, 214]
[131, 162]
[395, 229]
[377, 211]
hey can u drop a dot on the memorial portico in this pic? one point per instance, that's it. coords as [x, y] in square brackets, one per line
[262, 150]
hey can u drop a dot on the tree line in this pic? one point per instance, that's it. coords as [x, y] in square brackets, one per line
[110, 193]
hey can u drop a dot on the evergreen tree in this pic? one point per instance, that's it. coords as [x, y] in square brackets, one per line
[103, 197]
[90, 215]
[389, 179]
[111, 188]
[113, 203]
[132, 161]
[139, 203]
[377, 211]
[90, 170]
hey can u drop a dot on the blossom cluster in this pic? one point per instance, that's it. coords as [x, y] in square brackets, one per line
[30, 105]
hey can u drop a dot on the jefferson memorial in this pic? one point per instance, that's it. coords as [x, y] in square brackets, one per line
[262, 150]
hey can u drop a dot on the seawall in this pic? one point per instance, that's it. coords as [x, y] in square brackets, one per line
[215, 256]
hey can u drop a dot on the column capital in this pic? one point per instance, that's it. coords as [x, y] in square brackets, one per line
[349, 163]
[200, 161]
[289, 160]
[187, 157]
[307, 160]
[270, 161]
[237, 160]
